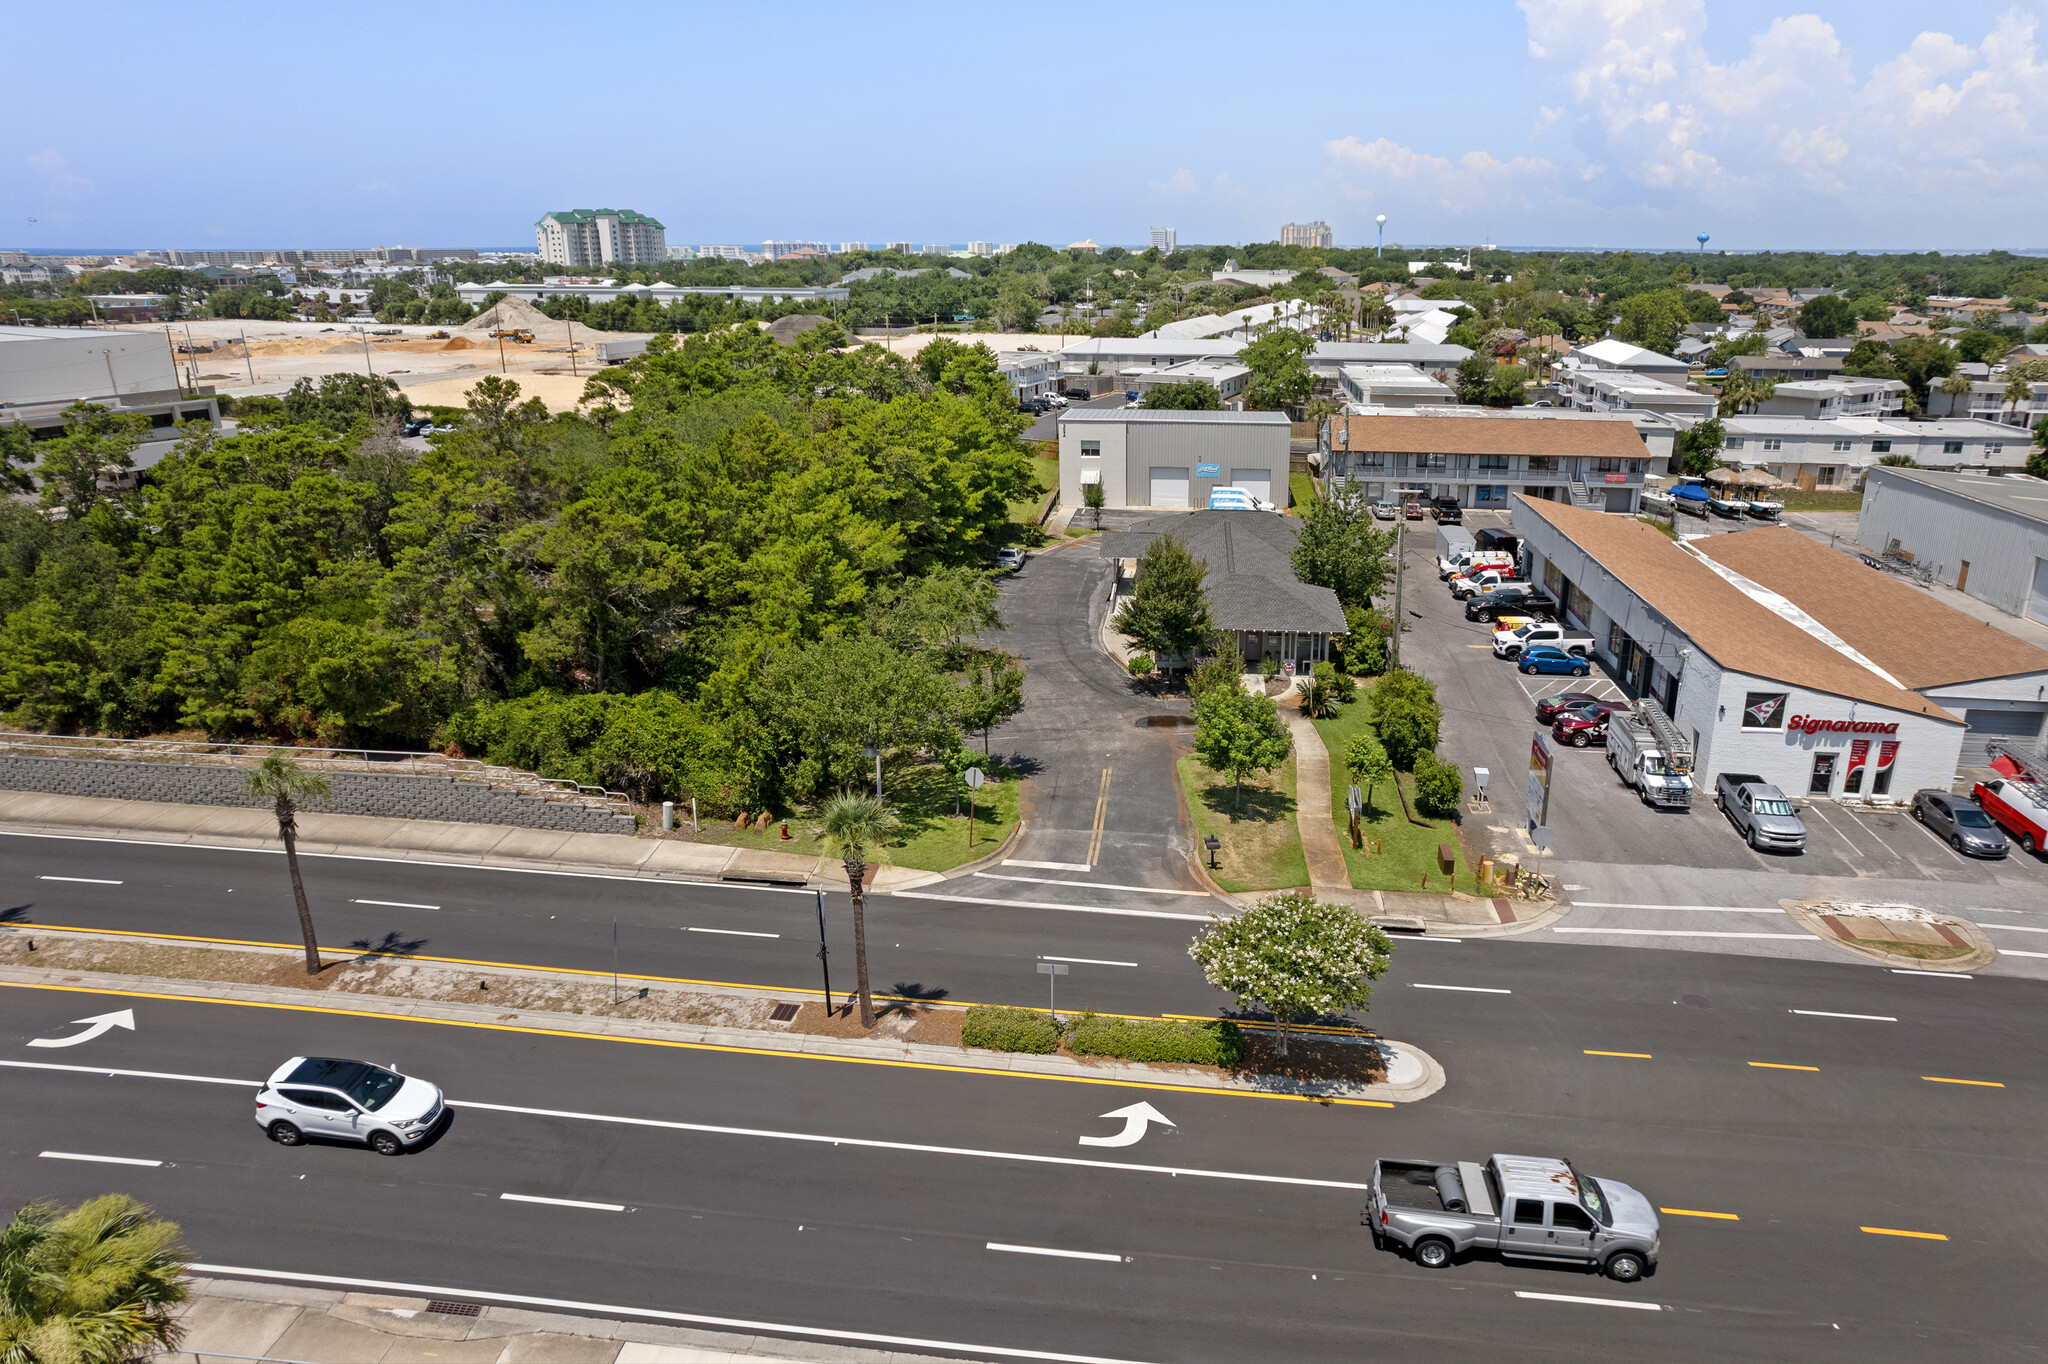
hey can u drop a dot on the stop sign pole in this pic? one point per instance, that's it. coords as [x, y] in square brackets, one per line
[974, 779]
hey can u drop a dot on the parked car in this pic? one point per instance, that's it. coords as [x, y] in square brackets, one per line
[1509, 643]
[1548, 707]
[1414, 512]
[2020, 807]
[1008, 559]
[1489, 580]
[1507, 600]
[1759, 811]
[1384, 511]
[1079, 395]
[325, 1096]
[1447, 511]
[1547, 658]
[1585, 724]
[418, 426]
[1522, 1207]
[1506, 541]
[1962, 824]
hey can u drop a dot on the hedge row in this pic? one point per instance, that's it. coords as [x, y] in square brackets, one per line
[1214, 1043]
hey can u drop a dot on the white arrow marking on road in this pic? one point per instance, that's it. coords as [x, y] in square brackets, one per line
[121, 1018]
[1135, 1117]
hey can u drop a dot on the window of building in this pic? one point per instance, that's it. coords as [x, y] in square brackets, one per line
[1951, 447]
[1825, 474]
[1091, 449]
[1880, 447]
[1429, 461]
[1773, 443]
[1994, 447]
[1607, 464]
[1543, 464]
[1735, 443]
[1493, 461]
[1842, 447]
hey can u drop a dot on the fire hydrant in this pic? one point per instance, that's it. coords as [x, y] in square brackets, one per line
[785, 831]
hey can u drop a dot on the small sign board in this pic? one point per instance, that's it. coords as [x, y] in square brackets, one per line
[974, 778]
[1048, 968]
[1208, 471]
[1540, 836]
[1212, 843]
[1288, 667]
[1539, 780]
[1355, 802]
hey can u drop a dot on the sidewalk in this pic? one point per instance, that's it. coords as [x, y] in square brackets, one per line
[233, 1320]
[1319, 845]
[424, 840]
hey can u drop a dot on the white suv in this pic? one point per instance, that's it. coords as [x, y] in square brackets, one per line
[321, 1096]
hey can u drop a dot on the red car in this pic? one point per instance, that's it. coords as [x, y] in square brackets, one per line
[1548, 707]
[1584, 725]
[1414, 511]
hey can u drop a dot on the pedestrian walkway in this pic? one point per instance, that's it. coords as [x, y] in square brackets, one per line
[1319, 845]
[426, 840]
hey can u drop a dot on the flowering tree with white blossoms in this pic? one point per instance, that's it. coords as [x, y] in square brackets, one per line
[1295, 956]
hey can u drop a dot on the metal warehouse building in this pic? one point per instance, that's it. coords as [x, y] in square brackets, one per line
[1782, 657]
[1145, 458]
[1984, 536]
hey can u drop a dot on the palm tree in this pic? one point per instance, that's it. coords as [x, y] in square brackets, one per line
[284, 782]
[858, 824]
[93, 1285]
[1956, 386]
[2017, 392]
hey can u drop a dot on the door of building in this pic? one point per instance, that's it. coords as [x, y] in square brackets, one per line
[1257, 482]
[2019, 727]
[1621, 499]
[1823, 774]
[1963, 576]
[1169, 487]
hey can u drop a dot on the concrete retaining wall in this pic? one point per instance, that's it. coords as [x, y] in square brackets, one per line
[394, 796]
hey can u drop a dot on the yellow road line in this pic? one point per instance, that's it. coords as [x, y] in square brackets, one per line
[1775, 1065]
[1894, 1231]
[1944, 1080]
[1695, 1212]
[1101, 816]
[695, 1046]
[1631, 1055]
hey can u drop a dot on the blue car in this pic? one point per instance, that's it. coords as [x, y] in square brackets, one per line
[1545, 658]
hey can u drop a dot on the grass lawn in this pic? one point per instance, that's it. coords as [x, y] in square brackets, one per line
[932, 837]
[1407, 856]
[1302, 490]
[1798, 499]
[1030, 510]
[1261, 843]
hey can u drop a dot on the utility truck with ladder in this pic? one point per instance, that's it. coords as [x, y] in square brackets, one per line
[1648, 753]
[2017, 800]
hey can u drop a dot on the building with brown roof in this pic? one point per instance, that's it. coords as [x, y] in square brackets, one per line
[1757, 679]
[1587, 459]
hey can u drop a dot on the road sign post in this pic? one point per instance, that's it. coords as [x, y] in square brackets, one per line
[1052, 971]
[974, 778]
[1212, 843]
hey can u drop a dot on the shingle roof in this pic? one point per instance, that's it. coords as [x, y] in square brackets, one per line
[1251, 580]
[1488, 436]
[1739, 632]
[1903, 630]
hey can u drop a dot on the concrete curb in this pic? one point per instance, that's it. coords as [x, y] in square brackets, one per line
[923, 1055]
[1982, 952]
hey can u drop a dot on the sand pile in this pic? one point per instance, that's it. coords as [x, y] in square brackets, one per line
[517, 312]
[786, 330]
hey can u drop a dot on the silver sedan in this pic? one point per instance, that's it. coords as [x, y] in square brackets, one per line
[1961, 823]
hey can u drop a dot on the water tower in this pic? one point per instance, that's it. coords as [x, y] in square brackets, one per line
[1703, 243]
[1382, 221]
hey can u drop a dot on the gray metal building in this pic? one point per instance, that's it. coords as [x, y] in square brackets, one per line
[1164, 458]
[1981, 535]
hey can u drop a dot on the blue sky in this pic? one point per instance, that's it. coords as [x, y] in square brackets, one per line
[1545, 122]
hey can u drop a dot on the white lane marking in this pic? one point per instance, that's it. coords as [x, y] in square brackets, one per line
[762, 1132]
[413, 862]
[1687, 909]
[2018, 928]
[1469, 989]
[1136, 1118]
[562, 1202]
[1062, 1254]
[83, 880]
[1047, 866]
[132, 1074]
[2008, 952]
[1042, 904]
[100, 1023]
[1089, 961]
[915, 1147]
[1823, 1013]
[1989, 909]
[1093, 885]
[420, 1290]
[734, 932]
[98, 1160]
[1682, 933]
[393, 904]
[1419, 937]
[1938, 975]
[1590, 1302]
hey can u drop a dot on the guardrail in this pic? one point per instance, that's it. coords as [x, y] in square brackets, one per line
[371, 760]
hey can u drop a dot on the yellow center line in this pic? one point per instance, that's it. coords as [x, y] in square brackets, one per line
[1632, 1055]
[1777, 1065]
[697, 1046]
[1944, 1080]
[1101, 815]
[1695, 1212]
[1894, 1231]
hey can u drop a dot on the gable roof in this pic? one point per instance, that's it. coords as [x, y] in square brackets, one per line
[1737, 631]
[1437, 435]
[1903, 630]
[1250, 558]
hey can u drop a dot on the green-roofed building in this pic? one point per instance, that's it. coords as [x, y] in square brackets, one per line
[601, 236]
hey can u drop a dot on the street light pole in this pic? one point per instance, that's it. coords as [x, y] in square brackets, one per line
[824, 954]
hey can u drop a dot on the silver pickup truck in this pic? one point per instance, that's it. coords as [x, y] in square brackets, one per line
[1531, 1207]
[1759, 812]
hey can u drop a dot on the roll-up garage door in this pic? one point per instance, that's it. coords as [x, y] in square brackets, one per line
[1169, 487]
[1257, 482]
[2037, 604]
[2022, 727]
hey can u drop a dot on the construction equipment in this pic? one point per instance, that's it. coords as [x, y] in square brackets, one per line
[519, 334]
[437, 336]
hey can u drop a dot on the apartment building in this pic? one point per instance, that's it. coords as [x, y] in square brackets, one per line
[1592, 462]
[1311, 234]
[592, 237]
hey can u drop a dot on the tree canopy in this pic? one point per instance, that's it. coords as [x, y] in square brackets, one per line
[1340, 548]
[1168, 613]
[1294, 956]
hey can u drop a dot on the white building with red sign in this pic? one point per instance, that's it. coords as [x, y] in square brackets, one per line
[1779, 656]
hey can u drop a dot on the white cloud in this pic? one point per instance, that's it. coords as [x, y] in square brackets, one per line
[1475, 180]
[57, 181]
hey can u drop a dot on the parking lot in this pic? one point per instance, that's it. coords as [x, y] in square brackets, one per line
[1489, 720]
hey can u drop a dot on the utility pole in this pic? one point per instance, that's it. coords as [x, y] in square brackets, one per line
[571, 324]
[245, 357]
[170, 346]
[1400, 559]
[374, 410]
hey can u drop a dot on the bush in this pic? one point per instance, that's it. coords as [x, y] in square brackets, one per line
[1342, 689]
[1406, 713]
[1140, 665]
[1004, 1029]
[1437, 785]
[1365, 648]
[1217, 1043]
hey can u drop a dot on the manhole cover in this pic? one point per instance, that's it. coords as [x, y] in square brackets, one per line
[454, 1309]
[782, 1013]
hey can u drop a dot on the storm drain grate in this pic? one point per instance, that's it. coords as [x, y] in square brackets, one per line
[455, 1309]
[782, 1013]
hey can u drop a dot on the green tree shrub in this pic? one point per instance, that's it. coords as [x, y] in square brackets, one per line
[999, 1028]
[1406, 713]
[1294, 956]
[1437, 785]
[1219, 1042]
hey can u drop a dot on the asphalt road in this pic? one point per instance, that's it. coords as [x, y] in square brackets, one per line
[759, 1220]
